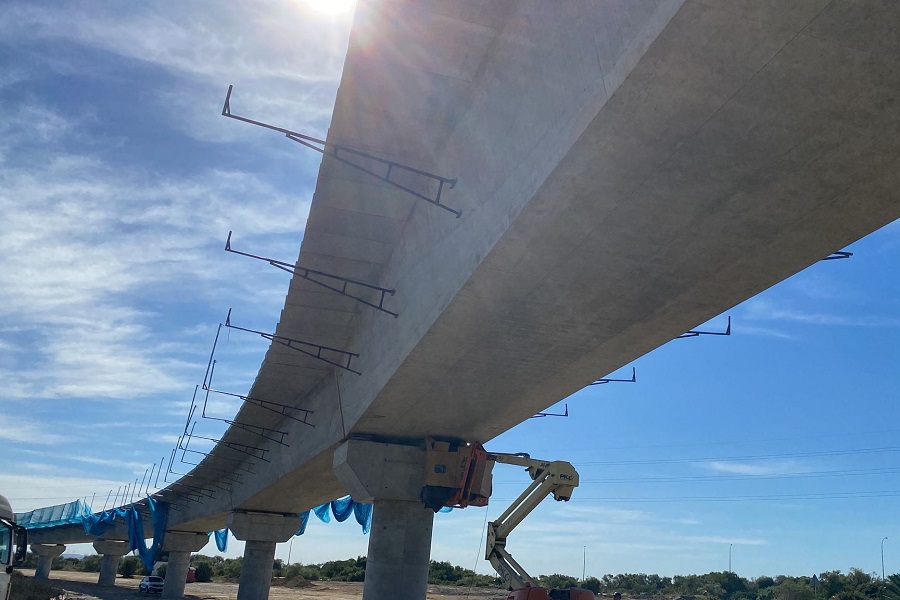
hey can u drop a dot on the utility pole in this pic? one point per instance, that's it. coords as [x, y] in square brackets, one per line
[584, 562]
[882, 558]
[729, 557]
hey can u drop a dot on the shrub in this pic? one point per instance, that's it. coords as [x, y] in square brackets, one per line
[203, 572]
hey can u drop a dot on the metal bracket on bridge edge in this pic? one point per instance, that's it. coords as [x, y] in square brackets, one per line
[605, 380]
[696, 333]
[273, 435]
[329, 149]
[276, 407]
[541, 415]
[311, 274]
[838, 255]
[299, 347]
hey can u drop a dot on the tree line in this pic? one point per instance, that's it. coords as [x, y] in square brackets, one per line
[724, 585]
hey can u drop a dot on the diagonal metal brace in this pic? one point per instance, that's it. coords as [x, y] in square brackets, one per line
[335, 283]
[273, 435]
[301, 346]
[605, 380]
[696, 333]
[243, 448]
[276, 407]
[838, 255]
[333, 150]
[239, 463]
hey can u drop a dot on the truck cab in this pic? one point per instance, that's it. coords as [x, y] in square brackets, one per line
[13, 544]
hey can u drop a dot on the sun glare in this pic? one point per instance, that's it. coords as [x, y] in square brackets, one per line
[330, 7]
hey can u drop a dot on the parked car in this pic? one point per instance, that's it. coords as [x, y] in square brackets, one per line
[151, 584]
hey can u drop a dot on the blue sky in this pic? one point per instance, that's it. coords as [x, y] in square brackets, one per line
[119, 181]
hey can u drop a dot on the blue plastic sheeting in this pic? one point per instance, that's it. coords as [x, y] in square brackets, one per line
[322, 512]
[363, 514]
[304, 521]
[221, 539]
[159, 514]
[342, 508]
[53, 516]
[100, 523]
[79, 513]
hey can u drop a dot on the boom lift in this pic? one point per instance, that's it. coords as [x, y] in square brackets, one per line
[558, 478]
[459, 474]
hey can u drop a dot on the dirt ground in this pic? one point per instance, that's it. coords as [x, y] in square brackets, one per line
[83, 586]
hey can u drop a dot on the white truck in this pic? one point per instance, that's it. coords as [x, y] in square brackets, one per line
[13, 544]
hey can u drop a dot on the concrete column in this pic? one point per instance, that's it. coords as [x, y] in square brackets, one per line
[399, 552]
[180, 545]
[112, 551]
[46, 553]
[260, 531]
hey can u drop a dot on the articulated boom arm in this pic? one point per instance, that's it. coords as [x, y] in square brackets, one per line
[558, 478]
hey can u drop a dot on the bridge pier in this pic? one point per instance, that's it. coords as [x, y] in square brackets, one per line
[260, 532]
[179, 546]
[391, 476]
[46, 553]
[112, 551]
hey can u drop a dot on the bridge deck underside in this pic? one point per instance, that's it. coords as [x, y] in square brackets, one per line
[626, 171]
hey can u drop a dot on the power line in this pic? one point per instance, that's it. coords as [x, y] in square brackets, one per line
[664, 461]
[742, 498]
[736, 477]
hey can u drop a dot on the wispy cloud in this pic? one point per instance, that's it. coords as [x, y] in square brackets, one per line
[715, 539]
[78, 295]
[744, 329]
[93, 460]
[25, 431]
[765, 310]
[284, 61]
[27, 492]
[747, 468]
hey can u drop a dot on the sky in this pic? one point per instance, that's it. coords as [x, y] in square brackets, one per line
[775, 448]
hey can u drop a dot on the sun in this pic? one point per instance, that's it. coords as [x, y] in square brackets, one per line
[330, 7]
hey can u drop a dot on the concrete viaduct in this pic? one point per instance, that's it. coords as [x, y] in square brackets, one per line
[625, 170]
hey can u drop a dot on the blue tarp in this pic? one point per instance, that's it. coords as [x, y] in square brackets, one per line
[78, 512]
[342, 508]
[98, 524]
[221, 539]
[53, 516]
[159, 514]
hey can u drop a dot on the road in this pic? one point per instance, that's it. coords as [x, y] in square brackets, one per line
[83, 586]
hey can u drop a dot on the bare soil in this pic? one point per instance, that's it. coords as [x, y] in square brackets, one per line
[83, 586]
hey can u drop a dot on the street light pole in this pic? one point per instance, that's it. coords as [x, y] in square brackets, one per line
[584, 562]
[882, 558]
[729, 557]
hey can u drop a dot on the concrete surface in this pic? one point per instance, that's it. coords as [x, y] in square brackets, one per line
[111, 552]
[370, 470]
[45, 553]
[180, 545]
[399, 552]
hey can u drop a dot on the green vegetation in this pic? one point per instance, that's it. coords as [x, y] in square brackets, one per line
[832, 585]
[130, 566]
